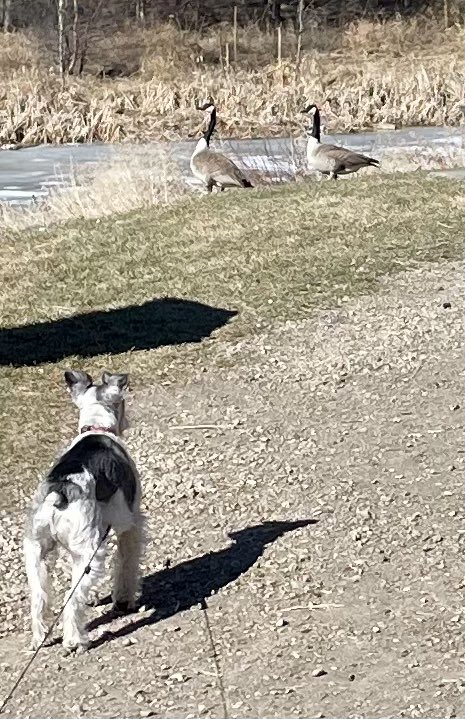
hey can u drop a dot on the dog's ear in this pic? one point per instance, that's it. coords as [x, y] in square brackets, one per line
[77, 382]
[115, 383]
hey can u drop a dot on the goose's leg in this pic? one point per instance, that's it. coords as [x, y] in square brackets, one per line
[332, 176]
[209, 185]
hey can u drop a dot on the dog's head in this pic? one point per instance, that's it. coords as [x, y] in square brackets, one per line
[100, 404]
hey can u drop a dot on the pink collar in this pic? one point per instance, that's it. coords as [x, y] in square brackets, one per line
[96, 428]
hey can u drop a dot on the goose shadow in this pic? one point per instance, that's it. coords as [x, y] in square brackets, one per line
[158, 322]
[178, 588]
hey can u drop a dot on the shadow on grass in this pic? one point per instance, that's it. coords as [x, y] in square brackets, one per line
[176, 589]
[166, 321]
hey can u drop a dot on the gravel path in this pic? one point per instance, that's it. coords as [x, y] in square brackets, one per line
[352, 421]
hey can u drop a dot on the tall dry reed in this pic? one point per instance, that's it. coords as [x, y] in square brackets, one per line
[372, 72]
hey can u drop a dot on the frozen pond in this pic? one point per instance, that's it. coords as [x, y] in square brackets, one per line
[33, 172]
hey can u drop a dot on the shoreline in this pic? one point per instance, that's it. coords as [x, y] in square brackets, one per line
[228, 137]
[50, 183]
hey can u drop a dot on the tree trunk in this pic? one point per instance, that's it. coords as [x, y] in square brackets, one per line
[6, 15]
[446, 13]
[276, 17]
[140, 11]
[74, 44]
[235, 33]
[83, 39]
[61, 38]
[300, 30]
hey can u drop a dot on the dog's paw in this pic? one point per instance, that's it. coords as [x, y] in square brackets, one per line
[75, 646]
[124, 607]
[94, 598]
[38, 638]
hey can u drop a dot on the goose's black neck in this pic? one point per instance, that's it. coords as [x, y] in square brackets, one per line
[316, 125]
[211, 126]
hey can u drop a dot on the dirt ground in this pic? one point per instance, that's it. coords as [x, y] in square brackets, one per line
[318, 511]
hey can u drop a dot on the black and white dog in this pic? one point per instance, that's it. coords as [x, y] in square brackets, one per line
[94, 485]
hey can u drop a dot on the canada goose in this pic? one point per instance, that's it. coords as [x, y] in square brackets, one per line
[330, 159]
[213, 168]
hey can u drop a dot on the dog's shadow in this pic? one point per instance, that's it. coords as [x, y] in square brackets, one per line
[176, 589]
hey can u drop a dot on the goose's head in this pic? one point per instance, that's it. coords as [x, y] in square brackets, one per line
[313, 130]
[207, 107]
[310, 110]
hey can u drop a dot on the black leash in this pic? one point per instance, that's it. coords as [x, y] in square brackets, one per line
[23, 673]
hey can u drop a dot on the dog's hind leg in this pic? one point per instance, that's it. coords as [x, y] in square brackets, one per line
[126, 577]
[35, 553]
[83, 581]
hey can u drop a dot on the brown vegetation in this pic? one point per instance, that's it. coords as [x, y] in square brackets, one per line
[142, 83]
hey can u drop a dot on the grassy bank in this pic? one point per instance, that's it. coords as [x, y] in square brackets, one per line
[407, 72]
[267, 255]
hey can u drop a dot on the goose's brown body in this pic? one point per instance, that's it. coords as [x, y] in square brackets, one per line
[214, 169]
[330, 159]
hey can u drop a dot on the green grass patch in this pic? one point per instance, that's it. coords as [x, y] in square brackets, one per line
[93, 290]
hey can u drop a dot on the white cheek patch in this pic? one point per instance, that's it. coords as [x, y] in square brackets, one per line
[87, 397]
[112, 391]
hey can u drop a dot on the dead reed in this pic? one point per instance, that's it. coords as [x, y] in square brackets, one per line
[372, 72]
[129, 181]
[136, 179]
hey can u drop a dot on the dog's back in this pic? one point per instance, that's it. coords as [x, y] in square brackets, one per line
[96, 457]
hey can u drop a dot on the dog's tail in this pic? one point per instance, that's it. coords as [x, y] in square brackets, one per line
[60, 494]
[44, 515]
[56, 499]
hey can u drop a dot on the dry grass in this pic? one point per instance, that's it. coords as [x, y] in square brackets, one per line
[407, 72]
[140, 177]
[130, 181]
[299, 255]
